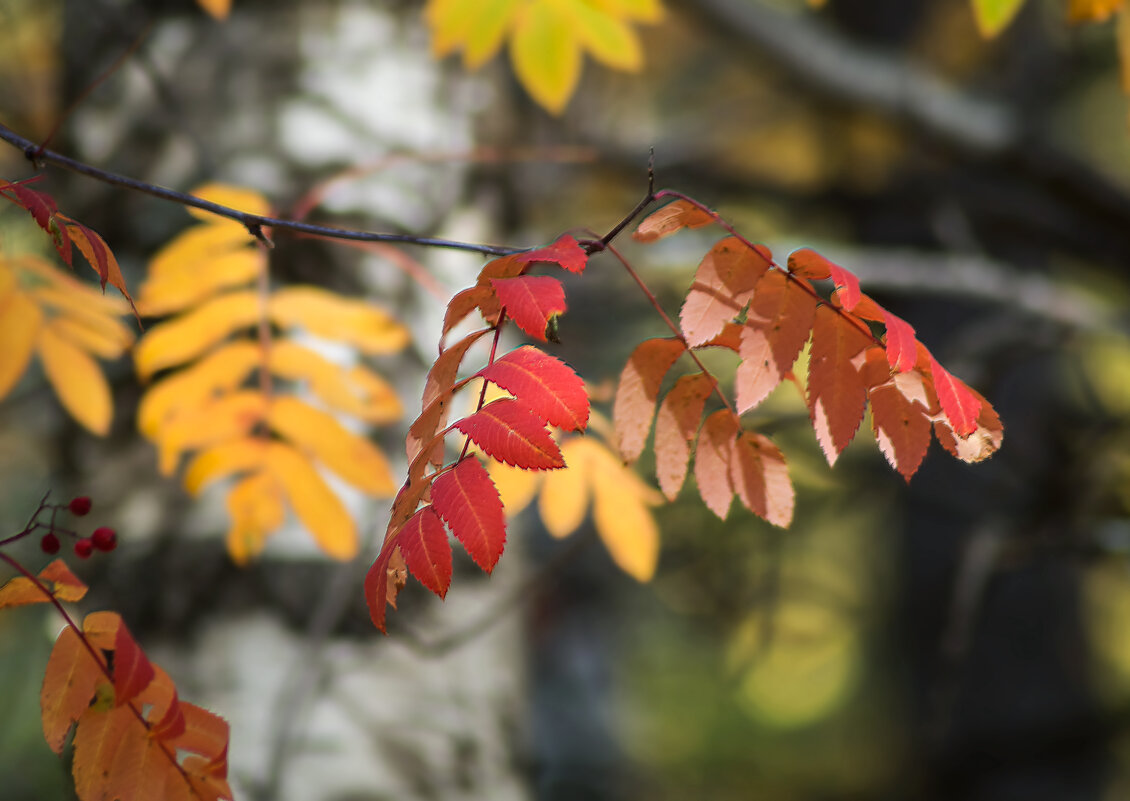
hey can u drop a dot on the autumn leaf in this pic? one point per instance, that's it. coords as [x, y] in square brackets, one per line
[546, 385]
[227, 333]
[217, 9]
[638, 391]
[1092, 10]
[531, 301]
[56, 578]
[68, 325]
[466, 499]
[836, 394]
[722, 287]
[670, 219]
[423, 542]
[547, 38]
[676, 426]
[508, 431]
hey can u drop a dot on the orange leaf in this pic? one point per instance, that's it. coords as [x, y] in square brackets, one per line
[56, 577]
[672, 218]
[463, 304]
[675, 427]
[761, 479]
[722, 286]
[979, 444]
[98, 254]
[531, 301]
[1093, 10]
[116, 759]
[508, 431]
[466, 499]
[777, 325]
[548, 386]
[70, 682]
[836, 394]
[639, 389]
[712, 461]
[423, 543]
[901, 427]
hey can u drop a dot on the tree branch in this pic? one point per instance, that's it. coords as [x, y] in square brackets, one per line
[253, 222]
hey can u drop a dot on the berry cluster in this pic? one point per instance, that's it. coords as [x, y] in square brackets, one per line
[103, 538]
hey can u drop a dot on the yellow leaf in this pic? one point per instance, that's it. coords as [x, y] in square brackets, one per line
[326, 314]
[235, 456]
[565, 493]
[82, 308]
[624, 523]
[188, 336]
[208, 423]
[256, 508]
[448, 21]
[78, 382]
[93, 341]
[176, 290]
[218, 9]
[608, 39]
[320, 435]
[546, 55]
[223, 369]
[516, 487]
[357, 390]
[993, 16]
[197, 245]
[20, 320]
[65, 292]
[313, 501]
[234, 197]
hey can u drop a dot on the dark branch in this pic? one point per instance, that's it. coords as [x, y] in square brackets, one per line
[253, 222]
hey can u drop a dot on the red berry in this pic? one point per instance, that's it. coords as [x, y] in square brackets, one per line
[84, 548]
[104, 538]
[49, 543]
[80, 506]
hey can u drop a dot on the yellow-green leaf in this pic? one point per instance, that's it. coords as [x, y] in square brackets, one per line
[77, 381]
[993, 16]
[486, 29]
[546, 54]
[314, 503]
[608, 39]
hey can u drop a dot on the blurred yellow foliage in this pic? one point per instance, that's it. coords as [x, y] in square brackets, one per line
[620, 501]
[548, 38]
[45, 311]
[214, 277]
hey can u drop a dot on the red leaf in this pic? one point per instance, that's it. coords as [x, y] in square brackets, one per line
[712, 461]
[671, 218]
[901, 427]
[902, 347]
[836, 394]
[548, 386]
[675, 427]
[564, 252]
[383, 582]
[639, 388]
[40, 205]
[530, 301]
[777, 325]
[508, 431]
[132, 670]
[978, 445]
[959, 403]
[466, 499]
[423, 543]
[722, 287]
[761, 478]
